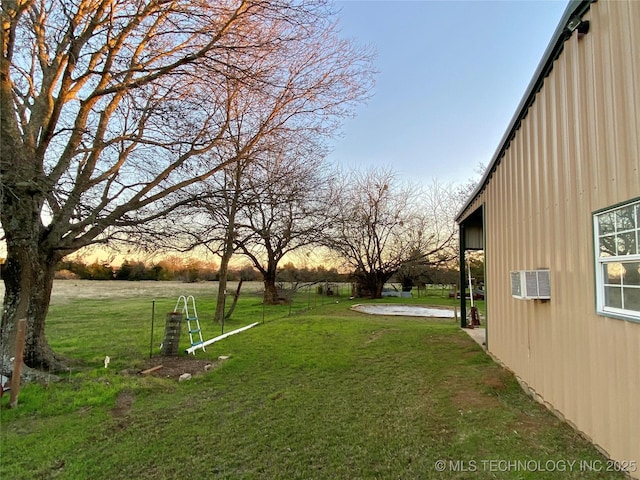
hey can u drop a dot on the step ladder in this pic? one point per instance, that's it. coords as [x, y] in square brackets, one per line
[193, 324]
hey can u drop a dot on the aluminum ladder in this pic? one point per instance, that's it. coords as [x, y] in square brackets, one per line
[193, 324]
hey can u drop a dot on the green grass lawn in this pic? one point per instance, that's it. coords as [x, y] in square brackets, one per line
[311, 393]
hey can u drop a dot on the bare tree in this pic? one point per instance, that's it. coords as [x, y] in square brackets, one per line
[285, 210]
[438, 246]
[213, 223]
[229, 192]
[382, 224]
[438, 205]
[110, 110]
[223, 215]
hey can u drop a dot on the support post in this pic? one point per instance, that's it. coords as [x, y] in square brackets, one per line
[153, 317]
[463, 293]
[17, 363]
[224, 314]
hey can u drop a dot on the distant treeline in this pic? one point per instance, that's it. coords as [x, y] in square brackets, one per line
[191, 271]
[175, 269]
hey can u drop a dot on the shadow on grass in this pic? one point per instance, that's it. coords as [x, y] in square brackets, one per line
[325, 393]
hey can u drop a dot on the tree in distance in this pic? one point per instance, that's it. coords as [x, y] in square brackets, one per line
[381, 224]
[287, 212]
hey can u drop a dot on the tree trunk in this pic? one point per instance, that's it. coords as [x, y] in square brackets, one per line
[28, 279]
[373, 283]
[377, 291]
[231, 211]
[235, 301]
[222, 288]
[270, 289]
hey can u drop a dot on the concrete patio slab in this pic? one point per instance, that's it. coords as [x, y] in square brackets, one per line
[479, 334]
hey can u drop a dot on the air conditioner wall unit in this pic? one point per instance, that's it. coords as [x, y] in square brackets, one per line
[531, 284]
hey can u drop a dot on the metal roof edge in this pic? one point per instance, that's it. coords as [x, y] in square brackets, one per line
[575, 8]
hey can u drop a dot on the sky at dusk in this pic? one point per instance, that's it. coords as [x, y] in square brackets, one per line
[451, 75]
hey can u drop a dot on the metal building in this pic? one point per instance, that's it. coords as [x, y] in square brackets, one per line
[557, 214]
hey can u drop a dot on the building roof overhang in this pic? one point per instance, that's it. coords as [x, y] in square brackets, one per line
[569, 23]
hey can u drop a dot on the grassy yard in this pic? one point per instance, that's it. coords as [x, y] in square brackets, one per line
[317, 391]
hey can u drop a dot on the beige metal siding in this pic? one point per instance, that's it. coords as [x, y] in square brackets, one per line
[577, 151]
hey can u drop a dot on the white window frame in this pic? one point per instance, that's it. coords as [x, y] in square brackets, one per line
[601, 261]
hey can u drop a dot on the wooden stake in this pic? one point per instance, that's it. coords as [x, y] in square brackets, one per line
[17, 363]
[152, 369]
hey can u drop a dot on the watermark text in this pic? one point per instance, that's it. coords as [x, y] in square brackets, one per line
[531, 465]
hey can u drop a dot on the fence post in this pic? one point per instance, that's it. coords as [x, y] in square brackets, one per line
[153, 317]
[17, 363]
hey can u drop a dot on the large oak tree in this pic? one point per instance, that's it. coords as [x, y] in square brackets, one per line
[112, 111]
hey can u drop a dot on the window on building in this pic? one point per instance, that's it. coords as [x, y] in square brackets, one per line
[617, 237]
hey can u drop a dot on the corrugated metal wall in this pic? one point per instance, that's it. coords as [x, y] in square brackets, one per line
[577, 151]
